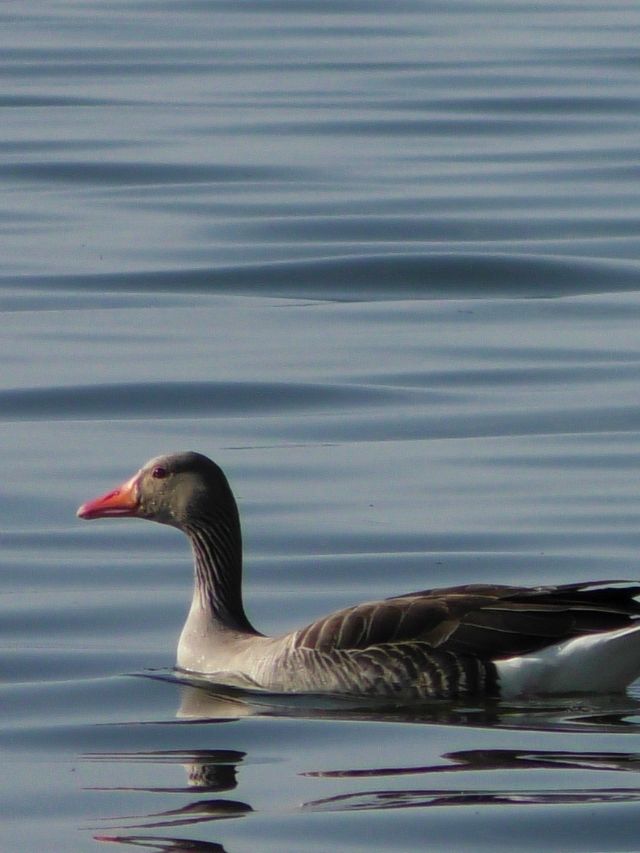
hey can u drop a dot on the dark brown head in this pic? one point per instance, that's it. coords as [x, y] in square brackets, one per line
[172, 489]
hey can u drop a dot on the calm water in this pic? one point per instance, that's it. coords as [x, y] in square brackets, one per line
[382, 263]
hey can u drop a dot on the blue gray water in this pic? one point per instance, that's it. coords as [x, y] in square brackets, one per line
[381, 261]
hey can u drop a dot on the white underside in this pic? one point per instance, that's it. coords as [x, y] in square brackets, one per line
[595, 663]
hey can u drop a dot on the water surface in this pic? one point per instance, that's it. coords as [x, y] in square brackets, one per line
[382, 265]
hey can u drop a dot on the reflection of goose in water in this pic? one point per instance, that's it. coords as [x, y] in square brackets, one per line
[164, 845]
[478, 762]
[445, 643]
[205, 700]
[382, 800]
[455, 780]
[465, 760]
[208, 772]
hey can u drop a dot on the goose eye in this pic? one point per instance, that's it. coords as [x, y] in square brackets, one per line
[159, 473]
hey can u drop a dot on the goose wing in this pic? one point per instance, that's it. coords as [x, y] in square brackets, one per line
[483, 621]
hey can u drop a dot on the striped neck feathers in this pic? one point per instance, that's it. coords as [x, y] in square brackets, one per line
[217, 548]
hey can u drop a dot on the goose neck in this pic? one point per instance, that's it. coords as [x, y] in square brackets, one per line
[217, 550]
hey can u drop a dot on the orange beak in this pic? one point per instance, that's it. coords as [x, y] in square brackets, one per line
[120, 502]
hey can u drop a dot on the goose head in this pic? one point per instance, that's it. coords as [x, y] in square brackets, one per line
[173, 489]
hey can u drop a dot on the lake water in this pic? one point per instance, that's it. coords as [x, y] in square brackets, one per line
[380, 261]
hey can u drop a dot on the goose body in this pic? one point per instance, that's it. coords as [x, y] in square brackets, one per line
[474, 640]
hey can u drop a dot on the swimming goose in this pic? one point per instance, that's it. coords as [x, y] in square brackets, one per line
[443, 643]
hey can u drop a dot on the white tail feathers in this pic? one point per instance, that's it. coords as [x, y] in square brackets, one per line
[594, 663]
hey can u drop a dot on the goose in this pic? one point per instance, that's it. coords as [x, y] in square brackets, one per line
[473, 640]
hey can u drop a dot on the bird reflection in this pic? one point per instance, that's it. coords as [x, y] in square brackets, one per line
[215, 771]
[501, 759]
[483, 760]
[204, 700]
[170, 845]
[196, 812]
[379, 800]
[207, 771]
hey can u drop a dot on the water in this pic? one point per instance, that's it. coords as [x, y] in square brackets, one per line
[381, 263]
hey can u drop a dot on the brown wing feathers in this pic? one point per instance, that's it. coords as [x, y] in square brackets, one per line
[481, 620]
